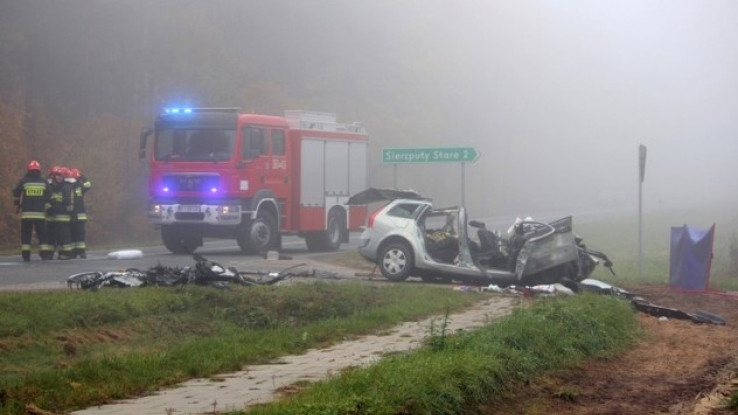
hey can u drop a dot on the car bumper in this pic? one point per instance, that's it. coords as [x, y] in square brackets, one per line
[366, 248]
[168, 214]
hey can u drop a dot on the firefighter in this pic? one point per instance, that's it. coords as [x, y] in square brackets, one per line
[79, 217]
[30, 197]
[59, 213]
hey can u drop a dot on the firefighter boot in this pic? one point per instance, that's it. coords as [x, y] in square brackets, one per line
[26, 256]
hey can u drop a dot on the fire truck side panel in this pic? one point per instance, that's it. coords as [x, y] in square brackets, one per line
[331, 170]
[312, 173]
[357, 167]
[336, 168]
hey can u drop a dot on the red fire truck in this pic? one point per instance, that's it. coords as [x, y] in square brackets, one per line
[216, 172]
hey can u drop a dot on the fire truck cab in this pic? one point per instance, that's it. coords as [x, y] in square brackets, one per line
[220, 173]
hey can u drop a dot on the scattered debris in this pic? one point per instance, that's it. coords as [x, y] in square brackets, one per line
[660, 311]
[126, 254]
[204, 272]
[599, 287]
[644, 306]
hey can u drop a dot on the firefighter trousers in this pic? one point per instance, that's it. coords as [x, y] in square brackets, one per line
[60, 238]
[77, 231]
[27, 228]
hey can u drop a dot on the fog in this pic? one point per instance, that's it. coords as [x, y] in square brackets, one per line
[556, 95]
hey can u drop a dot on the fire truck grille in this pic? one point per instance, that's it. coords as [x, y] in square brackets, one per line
[192, 183]
[189, 216]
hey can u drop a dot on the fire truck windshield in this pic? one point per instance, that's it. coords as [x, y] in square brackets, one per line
[194, 144]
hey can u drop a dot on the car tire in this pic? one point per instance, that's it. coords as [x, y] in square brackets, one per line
[396, 261]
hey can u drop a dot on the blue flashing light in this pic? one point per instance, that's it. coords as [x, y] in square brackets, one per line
[178, 110]
[166, 189]
[214, 190]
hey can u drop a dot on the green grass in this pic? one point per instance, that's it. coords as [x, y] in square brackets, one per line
[65, 350]
[618, 238]
[450, 374]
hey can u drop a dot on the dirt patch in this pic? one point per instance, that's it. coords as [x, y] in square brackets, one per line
[679, 367]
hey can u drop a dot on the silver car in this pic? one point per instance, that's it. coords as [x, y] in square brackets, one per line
[408, 237]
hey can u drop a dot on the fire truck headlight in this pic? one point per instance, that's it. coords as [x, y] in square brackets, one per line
[156, 209]
[225, 210]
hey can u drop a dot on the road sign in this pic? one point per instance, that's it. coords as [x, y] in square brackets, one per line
[642, 161]
[430, 155]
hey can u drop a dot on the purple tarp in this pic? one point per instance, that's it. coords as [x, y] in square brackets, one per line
[691, 257]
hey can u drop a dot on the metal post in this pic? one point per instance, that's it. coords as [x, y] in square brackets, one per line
[640, 228]
[394, 176]
[463, 185]
[641, 176]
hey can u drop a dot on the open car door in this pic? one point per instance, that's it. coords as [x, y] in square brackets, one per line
[547, 246]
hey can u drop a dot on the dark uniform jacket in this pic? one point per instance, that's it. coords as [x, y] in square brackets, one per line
[61, 201]
[81, 186]
[31, 194]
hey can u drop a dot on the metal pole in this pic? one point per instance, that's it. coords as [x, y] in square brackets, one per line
[394, 176]
[463, 186]
[640, 228]
[641, 175]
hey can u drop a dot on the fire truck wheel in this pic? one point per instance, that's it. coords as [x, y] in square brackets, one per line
[329, 239]
[178, 241]
[261, 234]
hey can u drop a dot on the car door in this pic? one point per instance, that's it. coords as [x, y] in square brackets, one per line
[546, 246]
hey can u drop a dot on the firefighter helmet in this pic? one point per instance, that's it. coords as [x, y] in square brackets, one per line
[75, 173]
[33, 165]
[65, 172]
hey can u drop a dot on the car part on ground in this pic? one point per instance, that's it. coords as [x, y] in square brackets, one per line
[645, 306]
[204, 272]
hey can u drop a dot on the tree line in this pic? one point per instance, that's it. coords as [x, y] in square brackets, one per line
[79, 80]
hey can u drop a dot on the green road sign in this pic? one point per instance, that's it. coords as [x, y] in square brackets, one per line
[430, 155]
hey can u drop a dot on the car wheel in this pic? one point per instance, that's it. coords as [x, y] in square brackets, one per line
[396, 261]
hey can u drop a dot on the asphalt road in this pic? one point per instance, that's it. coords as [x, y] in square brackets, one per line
[16, 274]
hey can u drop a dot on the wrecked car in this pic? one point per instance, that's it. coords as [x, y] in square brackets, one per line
[408, 237]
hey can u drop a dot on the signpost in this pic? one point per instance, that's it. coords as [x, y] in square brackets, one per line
[461, 155]
[641, 176]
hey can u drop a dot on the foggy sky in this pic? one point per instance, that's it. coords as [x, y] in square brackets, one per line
[558, 96]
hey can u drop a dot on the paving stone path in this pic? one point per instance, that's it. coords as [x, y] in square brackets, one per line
[261, 383]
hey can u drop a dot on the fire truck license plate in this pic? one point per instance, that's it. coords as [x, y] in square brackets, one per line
[189, 208]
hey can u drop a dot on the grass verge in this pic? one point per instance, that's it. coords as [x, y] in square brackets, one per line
[66, 350]
[450, 374]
